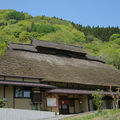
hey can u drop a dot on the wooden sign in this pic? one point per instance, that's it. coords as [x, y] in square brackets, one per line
[51, 102]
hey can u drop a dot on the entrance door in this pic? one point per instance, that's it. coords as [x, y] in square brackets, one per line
[64, 107]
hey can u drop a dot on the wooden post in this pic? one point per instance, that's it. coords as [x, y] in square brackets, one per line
[4, 91]
[4, 88]
[13, 97]
[58, 103]
[74, 102]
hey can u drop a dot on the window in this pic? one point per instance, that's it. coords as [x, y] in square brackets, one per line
[22, 93]
[27, 93]
[18, 92]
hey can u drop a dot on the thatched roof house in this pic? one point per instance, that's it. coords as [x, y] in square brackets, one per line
[57, 62]
[54, 77]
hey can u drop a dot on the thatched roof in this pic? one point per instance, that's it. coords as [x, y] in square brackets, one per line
[73, 51]
[53, 48]
[94, 58]
[21, 47]
[58, 46]
[56, 68]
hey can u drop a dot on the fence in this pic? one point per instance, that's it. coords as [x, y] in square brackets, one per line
[17, 114]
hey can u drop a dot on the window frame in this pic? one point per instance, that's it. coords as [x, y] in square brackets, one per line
[23, 90]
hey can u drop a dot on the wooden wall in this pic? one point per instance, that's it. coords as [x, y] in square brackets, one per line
[81, 101]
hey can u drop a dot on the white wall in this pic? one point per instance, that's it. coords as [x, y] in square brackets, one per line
[17, 114]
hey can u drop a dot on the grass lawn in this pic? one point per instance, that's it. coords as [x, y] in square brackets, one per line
[105, 115]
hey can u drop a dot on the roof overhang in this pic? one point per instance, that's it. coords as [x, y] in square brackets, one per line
[27, 84]
[75, 91]
[21, 76]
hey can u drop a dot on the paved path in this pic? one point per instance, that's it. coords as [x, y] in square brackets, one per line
[59, 117]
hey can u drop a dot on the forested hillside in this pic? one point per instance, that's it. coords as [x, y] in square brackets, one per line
[17, 27]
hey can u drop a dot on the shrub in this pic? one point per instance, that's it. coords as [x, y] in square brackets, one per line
[97, 99]
[2, 103]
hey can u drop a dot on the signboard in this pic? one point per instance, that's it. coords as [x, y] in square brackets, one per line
[36, 97]
[51, 102]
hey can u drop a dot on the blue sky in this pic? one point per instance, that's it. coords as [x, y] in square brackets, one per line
[85, 12]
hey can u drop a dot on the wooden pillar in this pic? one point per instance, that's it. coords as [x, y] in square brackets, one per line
[4, 88]
[57, 103]
[13, 97]
[79, 102]
[74, 102]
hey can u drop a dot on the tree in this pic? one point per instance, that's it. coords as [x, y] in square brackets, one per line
[23, 36]
[97, 99]
[114, 36]
[78, 36]
[116, 96]
[111, 54]
[44, 28]
[15, 15]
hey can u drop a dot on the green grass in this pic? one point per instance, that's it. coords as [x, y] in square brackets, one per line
[105, 115]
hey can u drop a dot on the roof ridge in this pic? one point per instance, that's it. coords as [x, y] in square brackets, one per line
[20, 46]
[32, 39]
[94, 58]
[8, 43]
[57, 46]
[73, 51]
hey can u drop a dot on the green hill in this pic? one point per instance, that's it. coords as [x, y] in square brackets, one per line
[17, 27]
